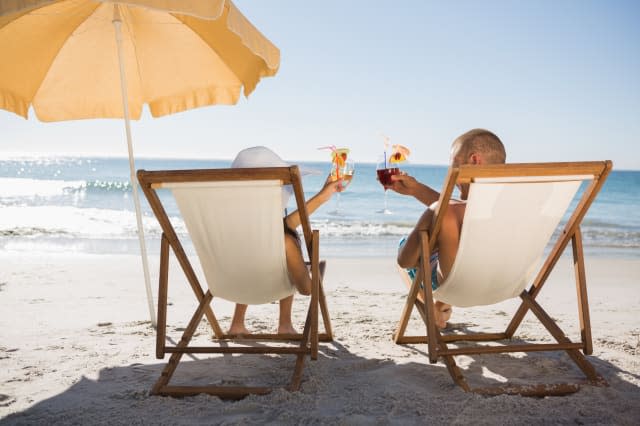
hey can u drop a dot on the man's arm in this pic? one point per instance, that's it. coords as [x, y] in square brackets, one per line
[409, 253]
[408, 185]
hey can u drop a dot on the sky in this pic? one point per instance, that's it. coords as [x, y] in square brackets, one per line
[555, 80]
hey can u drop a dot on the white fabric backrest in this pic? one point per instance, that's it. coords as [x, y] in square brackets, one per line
[237, 231]
[504, 233]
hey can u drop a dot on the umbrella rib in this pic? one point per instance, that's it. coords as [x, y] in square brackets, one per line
[129, 30]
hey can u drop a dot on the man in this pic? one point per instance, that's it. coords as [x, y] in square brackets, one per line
[476, 147]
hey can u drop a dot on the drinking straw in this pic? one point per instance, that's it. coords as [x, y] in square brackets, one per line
[333, 149]
[386, 145]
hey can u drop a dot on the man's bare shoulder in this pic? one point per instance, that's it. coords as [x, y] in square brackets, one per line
[452, 202]
[457, 207]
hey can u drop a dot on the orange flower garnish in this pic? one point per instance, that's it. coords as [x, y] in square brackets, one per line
[339, 156]
[399, 154]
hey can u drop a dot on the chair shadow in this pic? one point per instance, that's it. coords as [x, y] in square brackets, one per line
[519, 368]
[117, 391]
[380, 389]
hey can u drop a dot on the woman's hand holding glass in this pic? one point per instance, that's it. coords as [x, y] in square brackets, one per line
[346, 173]
[341, 174]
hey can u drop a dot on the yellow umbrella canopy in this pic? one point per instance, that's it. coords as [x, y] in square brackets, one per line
[61, 56]
[77, 59]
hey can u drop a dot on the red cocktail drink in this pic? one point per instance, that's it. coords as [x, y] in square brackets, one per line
[384, 175]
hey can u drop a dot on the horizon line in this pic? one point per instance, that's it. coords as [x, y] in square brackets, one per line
[9, 155]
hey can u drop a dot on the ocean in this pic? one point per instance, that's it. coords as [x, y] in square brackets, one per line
[78, 204]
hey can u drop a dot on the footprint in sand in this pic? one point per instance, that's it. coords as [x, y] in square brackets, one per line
[6, 400]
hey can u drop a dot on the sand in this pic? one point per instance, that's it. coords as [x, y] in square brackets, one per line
[77, 347]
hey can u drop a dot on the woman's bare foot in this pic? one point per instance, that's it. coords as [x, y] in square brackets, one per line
[238, 330]
[286, 329]
[443, 313]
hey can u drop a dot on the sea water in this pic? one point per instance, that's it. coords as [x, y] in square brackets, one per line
[78, 204]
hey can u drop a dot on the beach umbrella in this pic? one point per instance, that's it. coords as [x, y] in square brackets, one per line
[80, 59]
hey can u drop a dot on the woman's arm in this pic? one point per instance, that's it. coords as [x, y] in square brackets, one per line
[330, 187]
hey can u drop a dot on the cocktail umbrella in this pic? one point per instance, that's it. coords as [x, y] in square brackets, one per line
[79, 59]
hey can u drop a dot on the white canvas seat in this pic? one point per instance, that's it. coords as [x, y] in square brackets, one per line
[210, 211]
[234, 218]
[510, 217]
[530, 210]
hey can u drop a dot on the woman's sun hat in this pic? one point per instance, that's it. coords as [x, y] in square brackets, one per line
[261, 156]
[257, 156]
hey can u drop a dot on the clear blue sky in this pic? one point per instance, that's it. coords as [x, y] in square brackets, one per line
[556, 80]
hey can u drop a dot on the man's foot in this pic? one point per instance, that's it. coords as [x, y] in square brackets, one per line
[238, 330]
[443, 313]
[286, 329]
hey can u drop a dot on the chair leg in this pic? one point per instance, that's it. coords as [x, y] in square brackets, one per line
[315, 294]
[327, 336]
[581, 361]
[406, 311]
[172, 364]
[581, 290]
[453, 368]
[326, 319]
[541, 390]
[163, 284]
[296, 379]
[433, 335]
[310, 332]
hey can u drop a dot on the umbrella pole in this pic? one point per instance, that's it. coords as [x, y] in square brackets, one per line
[117, 23]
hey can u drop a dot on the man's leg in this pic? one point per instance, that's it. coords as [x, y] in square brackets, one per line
[443, 313]
[448, 241]
[447, 247]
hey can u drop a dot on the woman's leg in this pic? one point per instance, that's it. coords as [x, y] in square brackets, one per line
[298, 271]
[237, 323]
[299, 277]
[285, 326]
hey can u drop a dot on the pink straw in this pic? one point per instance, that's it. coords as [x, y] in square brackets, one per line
[333, 149]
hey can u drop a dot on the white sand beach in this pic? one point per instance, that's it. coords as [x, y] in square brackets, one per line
[77, 347]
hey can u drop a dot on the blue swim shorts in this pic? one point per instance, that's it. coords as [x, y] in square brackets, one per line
[433, 261]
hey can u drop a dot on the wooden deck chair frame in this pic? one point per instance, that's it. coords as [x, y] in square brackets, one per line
[438, 342]
[150, 181]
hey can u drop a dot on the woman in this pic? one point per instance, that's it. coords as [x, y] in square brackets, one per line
[260, 156]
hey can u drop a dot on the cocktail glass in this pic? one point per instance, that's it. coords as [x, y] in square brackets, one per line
[384, 171]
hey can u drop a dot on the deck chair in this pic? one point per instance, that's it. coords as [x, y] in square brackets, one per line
[511, 214]
[234, 219]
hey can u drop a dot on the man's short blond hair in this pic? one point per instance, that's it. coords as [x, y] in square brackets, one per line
[483, 142]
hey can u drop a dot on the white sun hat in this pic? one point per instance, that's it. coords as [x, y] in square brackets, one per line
[257, 156]
[261, 156]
